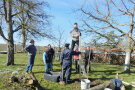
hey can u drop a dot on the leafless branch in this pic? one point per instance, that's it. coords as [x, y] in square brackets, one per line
[2, 34]
[132, 1]
[103, 20]
[121, 10]
[5, 9]
[16, 13]
[125, 5]
[18, 28]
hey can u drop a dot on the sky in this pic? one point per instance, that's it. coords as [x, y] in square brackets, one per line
[63, 17]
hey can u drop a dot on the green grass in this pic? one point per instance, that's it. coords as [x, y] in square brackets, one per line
[101, 72]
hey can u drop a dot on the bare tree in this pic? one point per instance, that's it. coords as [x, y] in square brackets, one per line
[6, 12]
[33, 19]
[21, 14]
[59, 39]
[110, 15]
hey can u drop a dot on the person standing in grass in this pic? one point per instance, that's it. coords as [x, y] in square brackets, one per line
[76, 59]
[58, 55]
[88, 56]
[52, 52]
[66, 63]
[47, 59]
[31, 49]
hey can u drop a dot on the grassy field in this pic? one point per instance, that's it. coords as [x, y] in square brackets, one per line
[101, 72]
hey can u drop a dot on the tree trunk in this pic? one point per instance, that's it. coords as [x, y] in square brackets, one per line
[127, 61]
[10, 42]
[23, 28]
[129, 44]
[23, 39]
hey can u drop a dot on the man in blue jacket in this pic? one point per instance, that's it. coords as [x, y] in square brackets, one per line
[47, 59]
[31, 49]
[66, 62]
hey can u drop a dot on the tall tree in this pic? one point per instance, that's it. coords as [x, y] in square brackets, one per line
[21, 14]
[33, 19]
[107, 15]
[59, 39]
[6, 12]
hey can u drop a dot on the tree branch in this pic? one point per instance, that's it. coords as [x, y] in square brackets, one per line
[16, 13]
[5, 9]
[2, 34]
[132, 1]
[125, 5]
[18, 28]
[2, 14]
[92, 30]
[121, 10]
[103, 20]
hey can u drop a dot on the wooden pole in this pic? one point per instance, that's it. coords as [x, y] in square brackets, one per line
[80, 58]
[88, 62]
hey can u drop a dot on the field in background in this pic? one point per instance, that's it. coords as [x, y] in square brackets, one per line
[101, 72]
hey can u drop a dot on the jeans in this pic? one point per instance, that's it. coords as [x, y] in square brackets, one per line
[48, 67]
[30, 63]
[76, 65]
[73, 44]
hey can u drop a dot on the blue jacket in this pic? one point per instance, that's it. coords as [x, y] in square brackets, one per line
[31, 49]
[44, 57]
[66, 56]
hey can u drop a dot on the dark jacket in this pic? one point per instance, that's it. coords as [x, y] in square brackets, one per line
[51, 51]
[87, 53]
[31, 49]
[66, 56]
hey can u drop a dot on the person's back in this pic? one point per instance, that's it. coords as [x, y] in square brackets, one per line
[67, 55]
[66, 62]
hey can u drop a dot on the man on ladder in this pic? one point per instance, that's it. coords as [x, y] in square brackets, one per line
[75, 34]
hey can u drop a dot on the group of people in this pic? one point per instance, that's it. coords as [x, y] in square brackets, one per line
[48, 57]
[66, 56]
[66, 59]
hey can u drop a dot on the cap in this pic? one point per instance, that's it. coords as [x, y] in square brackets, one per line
[75, 23]
[31, 40]
[67, 45]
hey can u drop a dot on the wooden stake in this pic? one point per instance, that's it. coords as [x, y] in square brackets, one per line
[80, 58]
[88, 62]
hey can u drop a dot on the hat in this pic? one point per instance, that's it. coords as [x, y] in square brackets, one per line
[67, 45]
[31, 40]
[75, 23]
